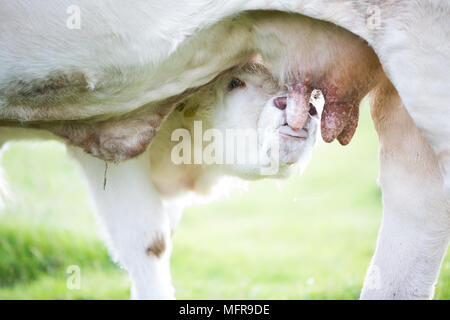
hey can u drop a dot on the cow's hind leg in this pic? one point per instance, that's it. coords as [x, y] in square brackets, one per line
[137, 227]
[415, 230]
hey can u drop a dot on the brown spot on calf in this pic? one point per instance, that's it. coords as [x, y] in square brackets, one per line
[158, 247]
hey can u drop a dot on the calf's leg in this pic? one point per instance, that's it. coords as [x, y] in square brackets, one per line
[137, 227]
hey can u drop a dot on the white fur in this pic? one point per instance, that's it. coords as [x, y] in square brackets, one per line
[133, 216]
[133, 55]
[154, 40]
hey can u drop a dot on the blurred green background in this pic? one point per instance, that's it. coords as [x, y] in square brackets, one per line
[310, 237]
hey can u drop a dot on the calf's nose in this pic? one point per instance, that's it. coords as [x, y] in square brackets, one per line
[280, 103]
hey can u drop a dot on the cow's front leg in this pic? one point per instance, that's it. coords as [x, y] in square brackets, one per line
[415, 230]
[137, 227]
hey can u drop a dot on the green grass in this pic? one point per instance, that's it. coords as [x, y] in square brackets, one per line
[310, 237]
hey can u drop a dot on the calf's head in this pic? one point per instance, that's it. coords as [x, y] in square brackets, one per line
[246, 123]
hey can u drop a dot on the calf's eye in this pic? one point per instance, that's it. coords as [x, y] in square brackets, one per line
[236, 83]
